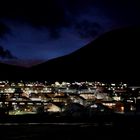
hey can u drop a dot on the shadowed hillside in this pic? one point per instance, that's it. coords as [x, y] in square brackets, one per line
[113, 56]
[11, 72]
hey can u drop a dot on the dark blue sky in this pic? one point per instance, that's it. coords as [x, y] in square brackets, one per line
[36, 31]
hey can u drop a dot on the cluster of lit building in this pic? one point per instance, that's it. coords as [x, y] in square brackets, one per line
[41, 97]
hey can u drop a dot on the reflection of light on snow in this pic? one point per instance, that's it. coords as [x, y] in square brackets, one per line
[94, 106]
[53, 108]
[132, 108]
[14, 103]
[122, 108]
[102, 110]
[9, 90]
[100, 96]
[133, 88]
[112, 84]
[35, 99]
[117, 98]
[129, 101]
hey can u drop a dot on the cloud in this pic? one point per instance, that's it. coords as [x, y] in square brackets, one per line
[52, 14]
[60, 13]
[123, 12]
[78, 6]
[48, 13]
[54, 33]
[6, 54]
[87, 29]
[3, 29]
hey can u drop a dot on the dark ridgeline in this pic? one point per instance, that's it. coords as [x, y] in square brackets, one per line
[114, 56]
[11, 72]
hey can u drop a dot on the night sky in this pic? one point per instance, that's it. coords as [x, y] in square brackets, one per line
[36, 31]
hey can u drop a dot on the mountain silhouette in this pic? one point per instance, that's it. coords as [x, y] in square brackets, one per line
[114, 56]
[12, 72]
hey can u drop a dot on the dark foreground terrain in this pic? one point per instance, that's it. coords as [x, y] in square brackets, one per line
[101, 127]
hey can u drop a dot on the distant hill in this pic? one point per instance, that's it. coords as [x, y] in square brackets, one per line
[11, 72]
[114, 55]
